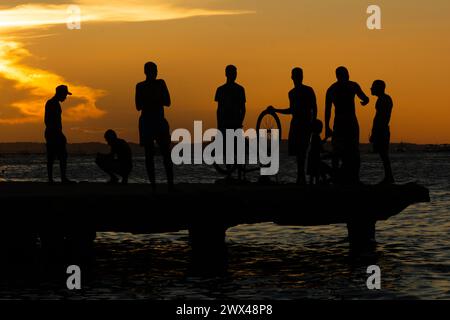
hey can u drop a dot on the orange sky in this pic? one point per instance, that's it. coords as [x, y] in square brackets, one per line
[192, 42]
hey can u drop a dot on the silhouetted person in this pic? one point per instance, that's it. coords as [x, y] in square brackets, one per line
[118, 161]
[152, 96]
[317, 169]
[231, 101]
[345, 133]
[55, 140]
[303, 108]
[381, 134]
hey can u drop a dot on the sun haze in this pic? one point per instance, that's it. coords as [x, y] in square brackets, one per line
[193, 41]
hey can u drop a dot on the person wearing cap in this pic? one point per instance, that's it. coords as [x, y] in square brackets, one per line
[54, 136]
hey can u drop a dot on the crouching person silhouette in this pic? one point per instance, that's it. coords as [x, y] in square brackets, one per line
[119, 161]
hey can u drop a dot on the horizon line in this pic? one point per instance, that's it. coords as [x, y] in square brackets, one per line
[282, 140]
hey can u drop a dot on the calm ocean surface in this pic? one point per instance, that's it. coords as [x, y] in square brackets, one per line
[268, 261]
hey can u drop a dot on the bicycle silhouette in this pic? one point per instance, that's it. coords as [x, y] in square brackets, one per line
[268, 121]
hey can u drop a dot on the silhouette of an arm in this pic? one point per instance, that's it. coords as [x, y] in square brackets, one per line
[384, 112]
[328, 107]
[283, 111]
[47, 118]
[50, 118]
[387, 113]
[165, 95]
[138, 99]
[314, 104]
[243, 111]
[361, 95]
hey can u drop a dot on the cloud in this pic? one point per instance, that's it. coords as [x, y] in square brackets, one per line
[41, 83]
[32, 15]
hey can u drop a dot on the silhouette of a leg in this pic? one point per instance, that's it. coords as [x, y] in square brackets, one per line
[335, 163]
[63, 167]
[388, 176]
[336, 158]
[50, 161]
[301, 177]
[63, 164]
[351, 163]
[106, 166]
[164, 145]
[356, 165]
[150, 162]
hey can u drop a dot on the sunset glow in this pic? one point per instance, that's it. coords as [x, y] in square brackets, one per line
[29, 15]
[192, 41]
[41, 83]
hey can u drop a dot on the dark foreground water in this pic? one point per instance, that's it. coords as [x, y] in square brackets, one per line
[267, 261]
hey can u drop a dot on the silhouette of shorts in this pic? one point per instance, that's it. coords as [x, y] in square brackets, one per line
[345, 138]
[380, 140]
[299, 138]
[149, 131]
[56, 145]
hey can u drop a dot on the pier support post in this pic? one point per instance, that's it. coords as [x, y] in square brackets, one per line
[18, 249]
[80, 247]
[209, 250]
[361, 234]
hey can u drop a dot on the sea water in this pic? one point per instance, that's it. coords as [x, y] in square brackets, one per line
[267, 261]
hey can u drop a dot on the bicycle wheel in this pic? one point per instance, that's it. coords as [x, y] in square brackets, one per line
[269, 121]
[225, 169]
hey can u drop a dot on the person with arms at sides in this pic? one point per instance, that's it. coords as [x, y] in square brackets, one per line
[381, 134]
[152, 95]
[345, 133]
[56, 141]
[231, 101]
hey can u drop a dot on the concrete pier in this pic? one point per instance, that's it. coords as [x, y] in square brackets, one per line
[204, 209]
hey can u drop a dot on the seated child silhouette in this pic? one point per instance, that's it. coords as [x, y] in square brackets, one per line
[318, 171]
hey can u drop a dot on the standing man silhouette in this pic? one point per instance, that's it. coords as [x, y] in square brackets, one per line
[345, 133]
[55, 139]
[231, 101]
[303, 108]
[152, 96]
[381, 134]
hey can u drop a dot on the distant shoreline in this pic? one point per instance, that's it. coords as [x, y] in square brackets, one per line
[91, 148]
